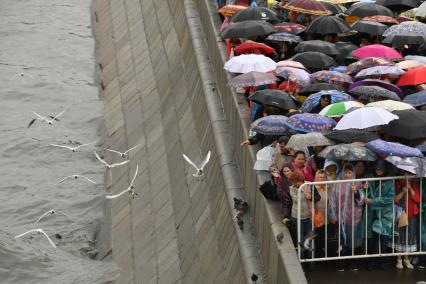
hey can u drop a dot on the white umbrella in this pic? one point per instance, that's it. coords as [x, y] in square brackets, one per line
[421, 11]
[250, 62]
[364, 118]
[390, 105]
[307, 140]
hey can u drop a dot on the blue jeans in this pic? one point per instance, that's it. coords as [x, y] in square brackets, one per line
[305, 228]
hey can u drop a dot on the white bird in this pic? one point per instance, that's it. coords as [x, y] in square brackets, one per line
[123, 154]
[76, 177]
[37, 231]
[74, 149]
[130, 189]
[50, 212]
[48, 121]
[200, 169]
[108, 165]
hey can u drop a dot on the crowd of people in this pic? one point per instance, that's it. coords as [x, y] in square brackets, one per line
[364, 211]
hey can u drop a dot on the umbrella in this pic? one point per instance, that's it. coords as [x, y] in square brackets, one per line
[413, 165]
[380, 83]
[317, 45]
[274, 98]
[407, 4]
[421, 11]
[328, 25]
[417, 99]
[252, 47]
[390, 105]
[252, 79]
[348, 152]
[381, 19]
[310, 122]
[250, 62]
[290, 28]
[350, 135]
[366, 63]
[338, 109]
[312, 59]
[374, 93]
[313, 100]
[332, 77]
[406, 38]
[380, 146]
[333, 8]
[284, 37]
[418, 58]
[377, 50]
[413, 77]
[406, 27]
[345, 48]
[297, 75]
[316, 87]
[270, 125]
[298, 141]
[379, 71]
[410, 125]
[307, 7]
[369, 27]
[368, 9]
[230, 10]
[340, 2]
[290, 63]
[365, 117]
[409, 64]
[247, 29]
[255, 14]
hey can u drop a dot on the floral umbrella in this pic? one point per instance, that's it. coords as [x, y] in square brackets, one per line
[340, 108]
[270, 125]
[289, 28]
[297, 75]
[313, 100]
[365, 117]
[413, 165]
[348, 152]
[377, 50]
[378, 71]
[406, 27]
[230, 10]
[332, 77]
[311, 7]
[252, 79]
[310, 122]
[366, 63]
[381, 19]
[380, 146]
[390, 105]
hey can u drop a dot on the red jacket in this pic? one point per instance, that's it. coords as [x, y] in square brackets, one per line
[413, 200]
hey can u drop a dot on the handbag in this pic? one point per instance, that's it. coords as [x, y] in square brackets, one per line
[403, 219]
[318, 216]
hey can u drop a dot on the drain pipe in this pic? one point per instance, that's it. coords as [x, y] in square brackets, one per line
[248, 244]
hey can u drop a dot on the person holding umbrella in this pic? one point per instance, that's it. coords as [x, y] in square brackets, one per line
[325, 100]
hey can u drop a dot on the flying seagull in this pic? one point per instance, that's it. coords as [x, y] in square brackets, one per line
[76, 177]
[50, 212]
[200, 169]
[308, 238]
[130, 189]
[74, 149]
[122, 154]
[37, 231]
[42, 118]
[108, 165]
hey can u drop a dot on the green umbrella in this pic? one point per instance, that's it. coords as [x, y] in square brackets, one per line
[338, 109]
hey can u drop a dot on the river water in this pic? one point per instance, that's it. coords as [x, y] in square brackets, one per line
[46, 66]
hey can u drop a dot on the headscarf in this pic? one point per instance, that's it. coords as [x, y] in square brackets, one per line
[331, 176]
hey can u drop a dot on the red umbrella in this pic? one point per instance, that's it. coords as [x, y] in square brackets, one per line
[413, 77]
[307, 7]
[381, 19]
[253, 47]
[289, 28]
[376, 50]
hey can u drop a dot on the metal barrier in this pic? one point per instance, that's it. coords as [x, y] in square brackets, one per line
[360, 196]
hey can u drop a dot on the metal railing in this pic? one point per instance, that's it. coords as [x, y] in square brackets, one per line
[357, 199]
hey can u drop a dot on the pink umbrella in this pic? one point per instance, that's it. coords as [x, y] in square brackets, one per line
[376, 50]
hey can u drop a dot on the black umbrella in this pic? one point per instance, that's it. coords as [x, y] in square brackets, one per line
[345, 49]
[247, 29]
[399, 4]
[275, 98]
[369, 27]
[312, 59]
[410, 125]
[406, 38]
[317, 45]
[255, 14]
[335, 9]
[317, 87]
[372, 93]
[368, 9]
[328, 25]
[351, 135]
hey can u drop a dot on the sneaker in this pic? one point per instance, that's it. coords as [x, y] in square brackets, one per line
[399, 264]
[408, 264]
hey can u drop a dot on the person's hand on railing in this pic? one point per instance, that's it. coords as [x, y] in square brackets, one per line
[365, 185]
[245, 143]
[354, 189]
[285, 221]
[368, 201]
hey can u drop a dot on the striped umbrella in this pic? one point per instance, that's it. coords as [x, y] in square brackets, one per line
[338, 109]
[332, 77]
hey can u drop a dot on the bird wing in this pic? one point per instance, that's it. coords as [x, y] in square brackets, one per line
[206, 160]
[110, 150]
[102, 161]
[88, 179]
[40, 117]
[136, 173]
[42, 216]
[31, 122]
[50, 241]
[62, 146]
[190, 162]
[87, 144]
[64, 179]
[134, 147]
[58, 115]
[119, 164]
[117, 195]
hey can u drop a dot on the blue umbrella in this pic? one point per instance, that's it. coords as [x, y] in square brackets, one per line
[310, 122]
[417, 99]
[314, 99]
[393, 149]
[270, 125]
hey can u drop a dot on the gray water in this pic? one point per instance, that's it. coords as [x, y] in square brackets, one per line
[46, 66]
